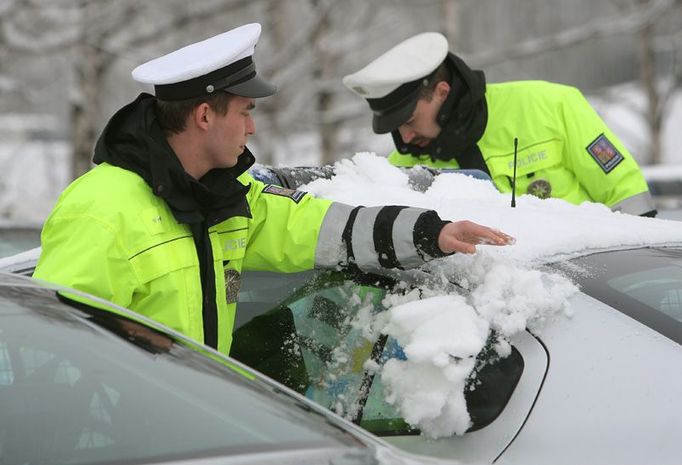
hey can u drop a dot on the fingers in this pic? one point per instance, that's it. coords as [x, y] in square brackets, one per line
[489, 236]
[463, 236]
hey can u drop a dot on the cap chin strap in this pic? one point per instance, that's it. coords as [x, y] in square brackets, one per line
[237, 78]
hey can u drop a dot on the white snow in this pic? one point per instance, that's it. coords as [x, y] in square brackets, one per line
[441, 337]
[505, 291]
[33, 175]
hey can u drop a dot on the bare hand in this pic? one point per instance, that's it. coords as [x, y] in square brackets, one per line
[463, 236]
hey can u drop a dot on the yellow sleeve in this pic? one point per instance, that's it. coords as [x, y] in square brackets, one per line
[600, 161]
[81, 252]
[284, 228]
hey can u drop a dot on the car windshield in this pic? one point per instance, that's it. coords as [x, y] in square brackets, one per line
[311, 333]
[645, 284]
[82, 387]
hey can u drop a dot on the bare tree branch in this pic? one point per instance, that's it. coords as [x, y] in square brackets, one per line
[627, 23]
[300, 40]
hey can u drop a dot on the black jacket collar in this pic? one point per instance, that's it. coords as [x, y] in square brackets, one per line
[133, 140]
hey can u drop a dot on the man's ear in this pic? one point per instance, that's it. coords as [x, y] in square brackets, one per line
[442, 90]
[201, 115]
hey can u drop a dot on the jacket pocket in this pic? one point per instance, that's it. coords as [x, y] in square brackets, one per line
[165, 257]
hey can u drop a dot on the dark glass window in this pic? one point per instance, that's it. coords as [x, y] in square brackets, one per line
[316, 341]
[645, 284]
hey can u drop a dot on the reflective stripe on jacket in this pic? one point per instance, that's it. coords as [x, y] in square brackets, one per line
[565, 150]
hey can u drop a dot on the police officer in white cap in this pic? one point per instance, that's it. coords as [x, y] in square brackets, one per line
[442, 114]
[168, 219]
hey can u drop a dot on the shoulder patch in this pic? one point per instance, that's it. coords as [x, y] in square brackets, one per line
[296, 196]
[605, 153]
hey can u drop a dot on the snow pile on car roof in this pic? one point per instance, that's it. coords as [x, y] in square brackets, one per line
[544, 229]
[504, 292]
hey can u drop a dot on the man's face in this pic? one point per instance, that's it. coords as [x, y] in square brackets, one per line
[230, 132]
[422, 127]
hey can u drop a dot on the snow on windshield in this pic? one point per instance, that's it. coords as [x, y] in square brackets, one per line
[441, 334]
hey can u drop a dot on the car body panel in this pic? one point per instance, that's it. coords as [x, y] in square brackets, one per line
[612, 393]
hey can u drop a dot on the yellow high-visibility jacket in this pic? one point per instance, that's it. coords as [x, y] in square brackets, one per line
[138, 231]
[565, 150]
[112, 237]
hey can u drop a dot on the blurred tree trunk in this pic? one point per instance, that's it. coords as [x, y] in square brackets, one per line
[648, 75]
[324, 70]
[267, 142]
[85, 103]
[450, 26]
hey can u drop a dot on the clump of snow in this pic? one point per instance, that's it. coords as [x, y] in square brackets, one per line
[503, 291]
[441, 337]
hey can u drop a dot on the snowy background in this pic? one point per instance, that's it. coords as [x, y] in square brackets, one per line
[65, 68]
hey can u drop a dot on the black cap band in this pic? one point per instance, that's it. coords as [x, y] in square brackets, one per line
[235, 73]
[401, 96]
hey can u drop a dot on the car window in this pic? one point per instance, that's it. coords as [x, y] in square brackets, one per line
[645, 284]
[658, 288]
[318, 341]
[84, 388]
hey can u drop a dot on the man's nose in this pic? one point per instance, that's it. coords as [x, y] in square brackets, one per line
[406, 134]
[251, 126]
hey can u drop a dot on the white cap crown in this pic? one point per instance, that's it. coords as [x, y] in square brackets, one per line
[220, 62]
[412, 59]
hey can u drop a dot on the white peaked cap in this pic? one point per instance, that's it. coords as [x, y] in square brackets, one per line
[392, 82]
[412, 59]
[223, 62]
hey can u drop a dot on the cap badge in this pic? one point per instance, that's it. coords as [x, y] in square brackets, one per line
[233, 281]
[540, 188]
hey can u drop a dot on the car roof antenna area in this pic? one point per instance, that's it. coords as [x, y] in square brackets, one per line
[513, 200]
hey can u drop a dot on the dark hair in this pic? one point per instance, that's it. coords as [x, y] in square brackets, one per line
[442, 73]
[172, 114]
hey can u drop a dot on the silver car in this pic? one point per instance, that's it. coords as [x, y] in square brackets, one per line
[599, 387]
[95, 383]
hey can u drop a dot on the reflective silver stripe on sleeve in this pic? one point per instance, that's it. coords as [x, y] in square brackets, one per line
[362, 239]
[330, 249]
[638, 204]
[403, 238]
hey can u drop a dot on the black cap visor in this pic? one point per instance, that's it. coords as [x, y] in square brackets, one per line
[383, 123]
[393, 110]
[252, 88]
